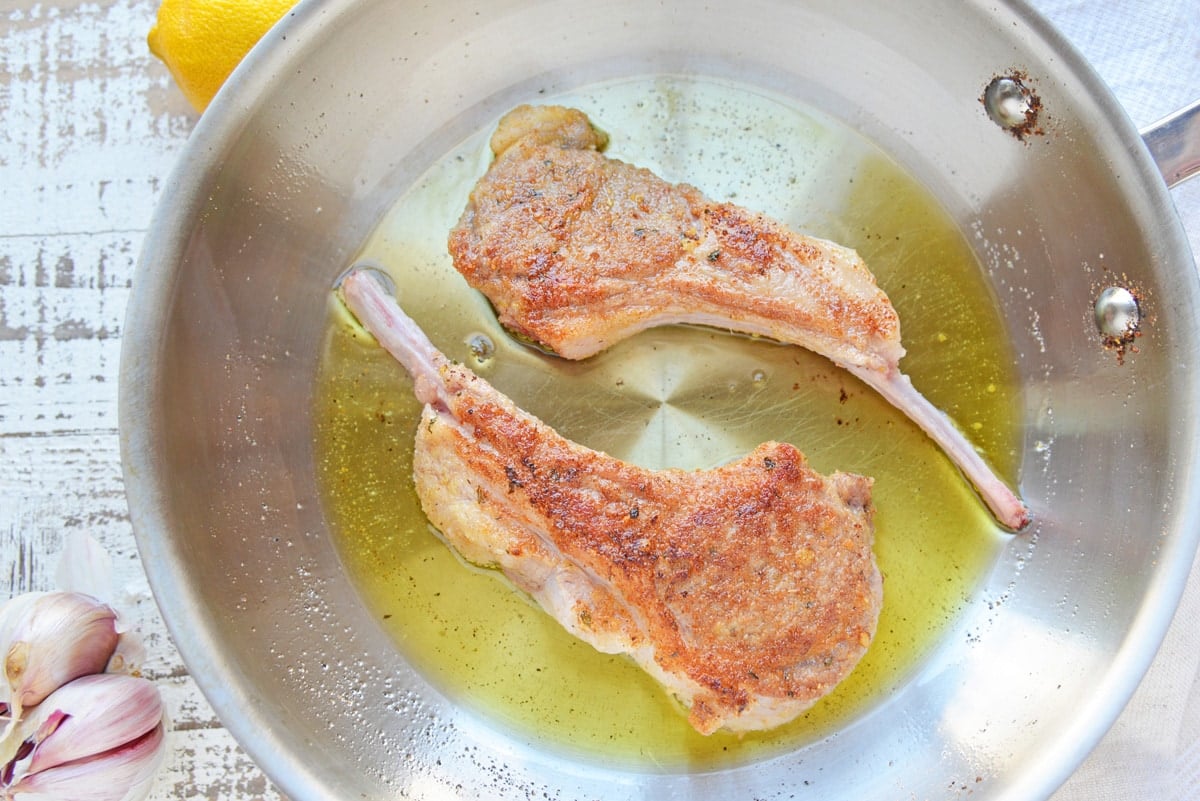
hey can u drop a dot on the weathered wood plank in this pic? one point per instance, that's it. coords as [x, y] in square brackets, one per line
[91, 129]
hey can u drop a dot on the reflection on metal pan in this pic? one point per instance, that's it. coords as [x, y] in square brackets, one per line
[344, 111]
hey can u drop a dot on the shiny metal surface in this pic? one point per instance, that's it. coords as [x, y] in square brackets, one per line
[1010, 103]
[347, 103]
[1117, 313]
[1174, 143]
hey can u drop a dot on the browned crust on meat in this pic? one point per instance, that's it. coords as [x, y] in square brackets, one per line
[576, 250]
[754, 580]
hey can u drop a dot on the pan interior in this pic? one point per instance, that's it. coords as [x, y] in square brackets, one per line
[351, 106]
[684, 397]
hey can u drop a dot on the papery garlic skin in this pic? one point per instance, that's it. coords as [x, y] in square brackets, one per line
[98, 738]
[52, 639]
[84, 566]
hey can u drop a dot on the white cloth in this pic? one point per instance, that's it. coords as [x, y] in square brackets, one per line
[1148, 52]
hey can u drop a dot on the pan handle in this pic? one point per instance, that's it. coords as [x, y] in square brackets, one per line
[1174, 143]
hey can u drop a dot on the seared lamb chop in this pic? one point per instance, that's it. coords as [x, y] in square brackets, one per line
[577, 251]
[749, 591]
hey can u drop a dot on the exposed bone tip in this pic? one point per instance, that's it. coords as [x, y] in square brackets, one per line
[1009, 510]
[1017, 518]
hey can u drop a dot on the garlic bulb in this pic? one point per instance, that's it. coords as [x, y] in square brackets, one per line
[74, 732]
[97, 738]
[48, 639]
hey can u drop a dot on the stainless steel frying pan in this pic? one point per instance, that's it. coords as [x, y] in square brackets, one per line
[348, 104]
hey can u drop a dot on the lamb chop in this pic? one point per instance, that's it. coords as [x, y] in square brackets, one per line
[748, 591]
[577, 251]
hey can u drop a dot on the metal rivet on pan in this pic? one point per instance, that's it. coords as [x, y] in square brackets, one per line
[1012, 104]
[1117, 314]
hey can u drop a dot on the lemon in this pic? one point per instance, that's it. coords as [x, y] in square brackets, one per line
[201, 41]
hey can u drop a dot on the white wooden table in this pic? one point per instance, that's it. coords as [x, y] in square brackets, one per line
[90, 127]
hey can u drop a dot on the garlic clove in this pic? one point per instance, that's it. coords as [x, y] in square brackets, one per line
[52, 639]
[125, 773]
[13, 614]
[90, 716]
[85, 567]
[12, 617]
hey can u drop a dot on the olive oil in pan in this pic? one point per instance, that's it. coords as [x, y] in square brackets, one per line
[682, 397]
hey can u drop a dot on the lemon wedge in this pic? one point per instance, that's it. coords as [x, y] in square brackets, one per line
[201, 41]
